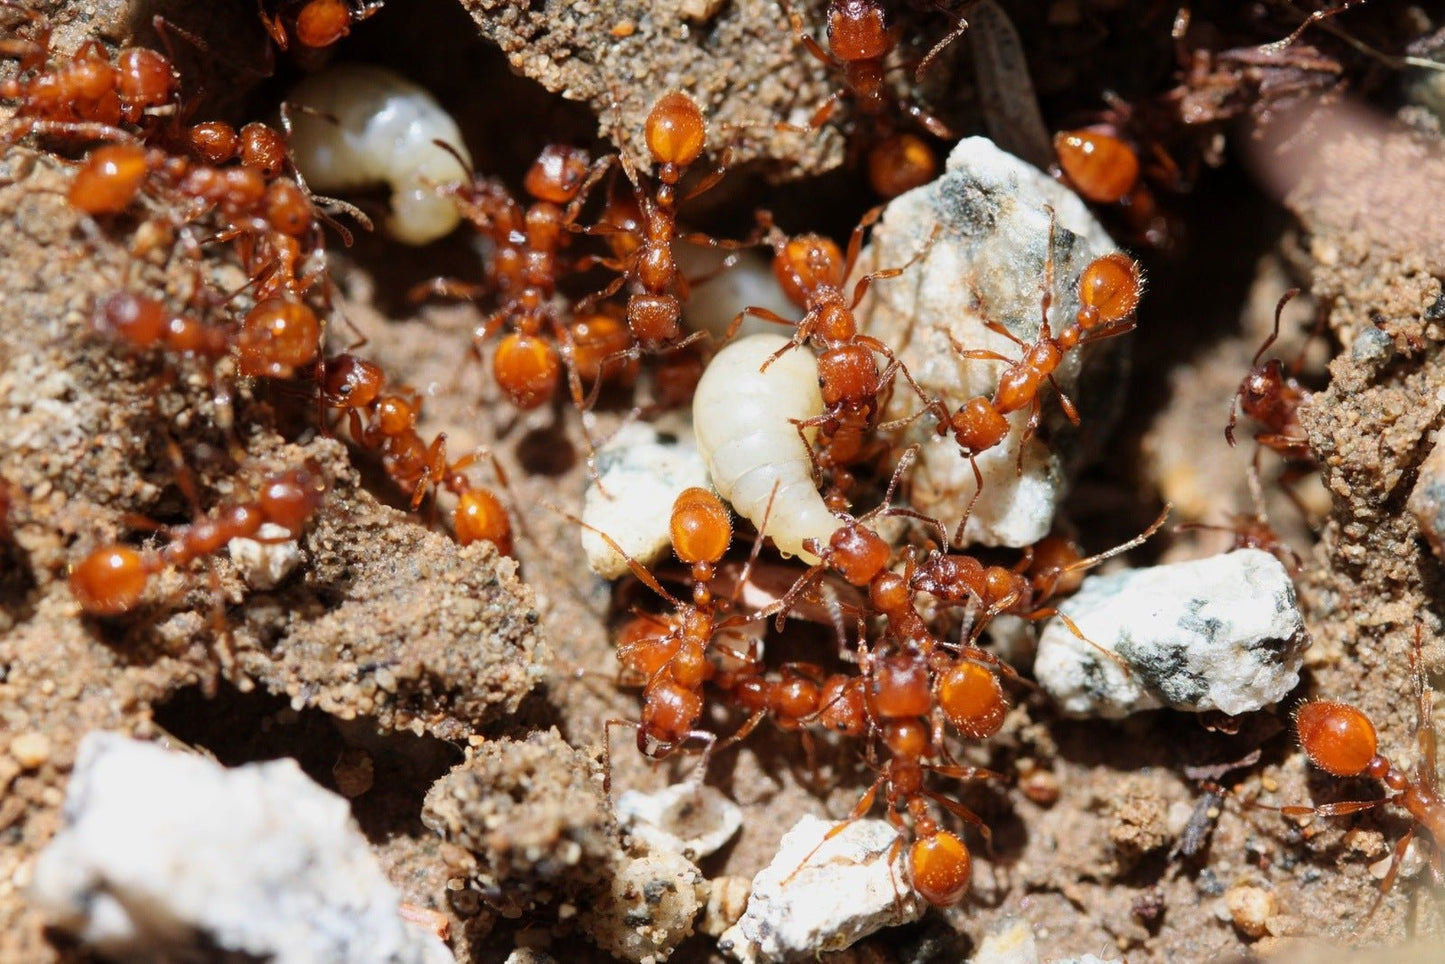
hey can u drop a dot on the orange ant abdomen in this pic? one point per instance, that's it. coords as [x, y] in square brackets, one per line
[900, 163]
[941, 868]
[480, 516]
[110, 179]
[1337, 737]
[1099, 166]
[110, 581]
[676, 133]
[700, 527]
[972, 700]
[322, 23]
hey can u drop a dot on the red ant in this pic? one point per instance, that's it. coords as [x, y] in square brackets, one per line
[525, 268]
[1341, 740]
[812, 272]
[317, 23]
[1108, 290]
[1273, 399]
[355, 385]
[111, 580]
[642, 234]
[90, 95]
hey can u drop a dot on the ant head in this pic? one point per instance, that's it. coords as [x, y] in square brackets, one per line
[842, 707]
[558, 173]
[940, 866]
[323, 22]
[857, 30]
[676, 130]
[263, 148]
[277, 337]
[858, 553]
[214, 142]
[807, 263]
[1109, 290]
[1338, 738]
[352, 382]
[972, 700]
[978, 426]
[1102, 168]
[701, 528]
[145, 78]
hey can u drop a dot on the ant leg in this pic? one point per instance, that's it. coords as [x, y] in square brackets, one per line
[755, 312]
[855, 239]
[1424, 716]
[445, 288]
[973, 501]
[965, 814]
[638, 569]
[1073, 627]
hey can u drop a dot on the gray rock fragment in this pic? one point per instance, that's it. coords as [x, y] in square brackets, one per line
[991, 214]
[648, 908]
[1427, 499]
[1221, 633]
[847, 890]
[167, 856]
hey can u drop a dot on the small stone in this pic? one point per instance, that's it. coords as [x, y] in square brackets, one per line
[353, 772]
[30, 750]
[642, 472]
[1370, 345]
[264, 562]
[1010, 942]
[1222, 633]
[648, 909]
[981, 236]
[691, 819]
[1427, 500]
[170, 856]
[847, 890]
[727, 899]
[1251, 908]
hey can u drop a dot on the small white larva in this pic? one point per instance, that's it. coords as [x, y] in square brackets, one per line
[744, 423]
[363, 125]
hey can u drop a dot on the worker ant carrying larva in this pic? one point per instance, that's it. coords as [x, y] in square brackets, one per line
[1340, 739]
[813, 273]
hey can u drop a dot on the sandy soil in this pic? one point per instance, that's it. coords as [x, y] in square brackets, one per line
[392, 650]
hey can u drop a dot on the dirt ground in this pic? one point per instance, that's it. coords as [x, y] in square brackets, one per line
[392, 649]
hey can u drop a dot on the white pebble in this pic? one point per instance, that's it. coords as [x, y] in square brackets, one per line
[168, 855]
[264, 564]
[691, 819]
[643, 471]
[1222, 633]
[847, 890]
[366, 125]
[648, 909]
[1010, 942]
[990, 211]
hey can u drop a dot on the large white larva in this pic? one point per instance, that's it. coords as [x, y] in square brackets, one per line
[365, 125]
[744, 423]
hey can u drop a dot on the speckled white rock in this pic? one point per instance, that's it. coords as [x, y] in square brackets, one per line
[1222, 633]
[990, 210]
[162, 850]
[649, 908]
[847, 890]
[264, 564]
[643, 470]
[691, 819]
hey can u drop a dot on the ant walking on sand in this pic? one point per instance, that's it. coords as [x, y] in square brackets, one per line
[1340, 739]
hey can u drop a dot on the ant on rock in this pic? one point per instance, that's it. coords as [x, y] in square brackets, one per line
[1109, 290]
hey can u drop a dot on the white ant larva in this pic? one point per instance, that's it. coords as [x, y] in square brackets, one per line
[355, 125]
[745, 422]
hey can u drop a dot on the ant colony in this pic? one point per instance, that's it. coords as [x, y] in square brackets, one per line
[837, 520]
